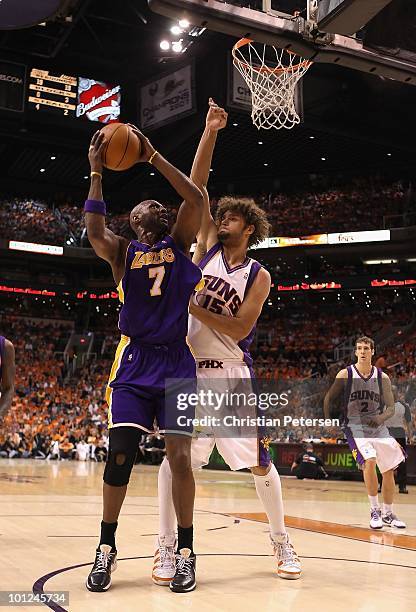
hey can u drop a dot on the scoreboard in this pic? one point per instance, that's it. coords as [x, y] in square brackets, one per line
[70, 96]
[60, 94]
[55, 92]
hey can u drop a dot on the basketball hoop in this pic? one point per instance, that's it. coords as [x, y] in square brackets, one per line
[271, 74]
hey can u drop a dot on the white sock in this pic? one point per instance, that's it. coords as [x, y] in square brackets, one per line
[269, 491]
[167, 515]
[374, 501]
[387, 508]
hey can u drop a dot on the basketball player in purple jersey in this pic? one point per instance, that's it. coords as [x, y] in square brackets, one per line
[7, 375]
[155, 279]
[367, 391]
[221, 327]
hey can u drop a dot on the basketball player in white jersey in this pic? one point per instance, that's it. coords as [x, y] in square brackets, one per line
[369, 402]
[221, 327]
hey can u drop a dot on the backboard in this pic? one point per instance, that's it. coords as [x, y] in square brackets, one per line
[26, 13]
[300, 33]
[347, 16]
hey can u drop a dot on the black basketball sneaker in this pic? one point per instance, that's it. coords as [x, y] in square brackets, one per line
[184, 579]
[99, 578]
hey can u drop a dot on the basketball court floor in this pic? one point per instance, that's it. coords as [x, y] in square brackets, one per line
[49, 523]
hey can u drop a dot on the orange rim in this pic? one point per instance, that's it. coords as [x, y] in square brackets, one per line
[246, 41]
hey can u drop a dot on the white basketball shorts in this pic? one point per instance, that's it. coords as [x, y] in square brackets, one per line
[386, 451]
[237, 452]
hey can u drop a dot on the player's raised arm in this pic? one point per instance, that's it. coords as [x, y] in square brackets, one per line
[105, 243]
[189, 215]
[239, 326]
[216, 120]
[7, 380]
[335, 390]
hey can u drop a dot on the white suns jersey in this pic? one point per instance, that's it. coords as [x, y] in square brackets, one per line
[223, 293]
[364, 399]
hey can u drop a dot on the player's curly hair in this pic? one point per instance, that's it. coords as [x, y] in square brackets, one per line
[251, 213]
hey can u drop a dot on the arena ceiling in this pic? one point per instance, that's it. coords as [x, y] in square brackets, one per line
[354, 123]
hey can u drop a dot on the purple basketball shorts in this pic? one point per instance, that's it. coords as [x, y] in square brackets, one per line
[137, 393]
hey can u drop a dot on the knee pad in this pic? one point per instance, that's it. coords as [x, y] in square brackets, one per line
[124, 443]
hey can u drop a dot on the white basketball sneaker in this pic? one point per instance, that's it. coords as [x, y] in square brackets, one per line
[391, 519]
[164, 566]
[288, 564]
[375, 519]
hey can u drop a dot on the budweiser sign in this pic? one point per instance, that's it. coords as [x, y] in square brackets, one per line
[98, 101]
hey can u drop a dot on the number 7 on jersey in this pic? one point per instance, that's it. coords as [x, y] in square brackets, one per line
[158, 274]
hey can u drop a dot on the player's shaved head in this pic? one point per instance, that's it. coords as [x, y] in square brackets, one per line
[141, 207]
[149, 216]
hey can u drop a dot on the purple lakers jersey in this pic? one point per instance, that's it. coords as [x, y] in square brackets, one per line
[155, 291]
[2, 345]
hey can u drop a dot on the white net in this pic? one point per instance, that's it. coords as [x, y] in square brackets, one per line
[272, 75]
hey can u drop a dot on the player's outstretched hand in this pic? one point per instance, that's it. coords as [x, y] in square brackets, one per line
[216, 117]
[147, 149]
[96, 152]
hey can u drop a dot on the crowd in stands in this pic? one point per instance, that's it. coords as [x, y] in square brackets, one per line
[49, 406]
[60, 413]
[296, 349]
[31, 221]
[362, 205]
[358, 207]
[298, 340]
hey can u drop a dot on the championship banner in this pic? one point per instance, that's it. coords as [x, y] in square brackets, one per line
[167, 99]
[12, 86]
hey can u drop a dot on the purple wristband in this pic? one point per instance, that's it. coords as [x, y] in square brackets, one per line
[95, 206]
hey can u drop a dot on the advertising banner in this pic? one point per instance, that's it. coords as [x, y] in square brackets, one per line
[337, 459]
[98, 101]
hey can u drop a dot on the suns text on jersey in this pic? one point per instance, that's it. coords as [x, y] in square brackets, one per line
[225, 294]
[364, 394]
[150, 258]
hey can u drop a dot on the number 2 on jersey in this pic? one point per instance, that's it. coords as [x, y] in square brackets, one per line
[158, 274]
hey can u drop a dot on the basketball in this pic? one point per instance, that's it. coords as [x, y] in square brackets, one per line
[123, 147]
